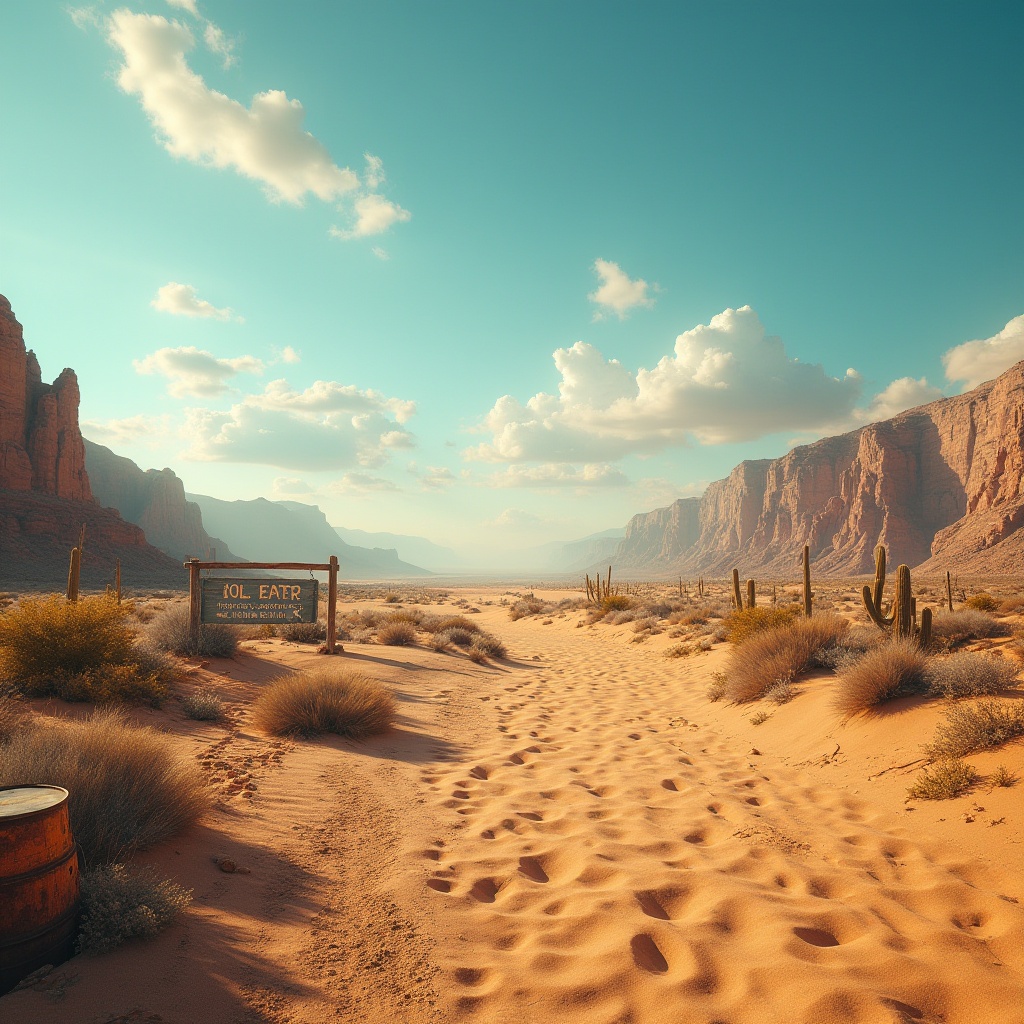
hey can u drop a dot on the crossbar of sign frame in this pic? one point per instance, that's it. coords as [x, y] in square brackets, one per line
[253, 602]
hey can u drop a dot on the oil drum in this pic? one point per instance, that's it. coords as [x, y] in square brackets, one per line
[38, 881]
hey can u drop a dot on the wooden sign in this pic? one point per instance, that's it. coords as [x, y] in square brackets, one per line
[253, 602]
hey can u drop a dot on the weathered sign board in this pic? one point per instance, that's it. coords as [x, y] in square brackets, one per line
[242, 602]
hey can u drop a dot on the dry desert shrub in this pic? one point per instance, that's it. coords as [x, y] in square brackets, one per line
[304, 632]
[952, 628]
[759, 718]
[396, 634]
[943, 781]
[325, 699]
[526, 606]
[618, 618]
[716, 688]
[439, 642]
[980, 726]
[80, 651]
[739, 625]
[169, 631]
[698, 616]
[895, 669]
[490, 645]
[51, 636]
[457, 622]
[615, 603]
[128, 787]
[1002, 777]
[778, 655]
[982, 602]
[455, 635]
[853, 644]
[477, 656]
[969, 674]
[1011, 605]
[203, 705]
[118, 905]
[391, 599]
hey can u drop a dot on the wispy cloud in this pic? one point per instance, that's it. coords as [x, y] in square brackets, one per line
[182, 300]
[128, 430]
[192, 372]
[373, 215]
[617, 293]
[557, 475]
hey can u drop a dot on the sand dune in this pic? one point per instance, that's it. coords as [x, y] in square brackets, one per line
[576, 834]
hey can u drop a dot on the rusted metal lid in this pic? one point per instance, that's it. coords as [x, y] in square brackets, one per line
[18, 800]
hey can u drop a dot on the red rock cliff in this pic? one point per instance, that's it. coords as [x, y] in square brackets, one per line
[940, 486]
[41, 446]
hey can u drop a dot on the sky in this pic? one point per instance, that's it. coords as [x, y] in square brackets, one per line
[499, 274]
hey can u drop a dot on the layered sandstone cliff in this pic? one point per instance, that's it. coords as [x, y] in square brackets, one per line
[153, 499]
[45, 497]
[940, 486]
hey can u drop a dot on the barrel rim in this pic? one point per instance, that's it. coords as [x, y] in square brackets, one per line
[39, 812]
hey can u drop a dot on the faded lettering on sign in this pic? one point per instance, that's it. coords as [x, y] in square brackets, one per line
[255, 601]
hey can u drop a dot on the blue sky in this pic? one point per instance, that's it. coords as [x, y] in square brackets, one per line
[483, 227]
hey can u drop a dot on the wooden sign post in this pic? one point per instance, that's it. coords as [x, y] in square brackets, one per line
[256, 601]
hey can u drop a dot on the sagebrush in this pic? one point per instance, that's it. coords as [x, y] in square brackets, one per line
[118, 905]
[169, 631]
[980, 726]
[969, 674]
[947, 779]
[894, 669]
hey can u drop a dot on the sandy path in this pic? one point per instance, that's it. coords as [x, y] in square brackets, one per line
[576, 835]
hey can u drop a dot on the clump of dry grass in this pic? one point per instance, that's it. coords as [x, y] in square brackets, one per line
[118, 905]
[739, 625]
[980, 726]
[455, 635]
[526, 606]
[476, 656]
[13, 716]
[943, 781]
[895, 669]
[439, 642]
[325, 699]
[169, 631]
[950, 629]
[969, 674]
[615, 603]
[203, 705]
[396, 634]
[128, 788]
[778, 655]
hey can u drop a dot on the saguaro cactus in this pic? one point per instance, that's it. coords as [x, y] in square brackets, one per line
[74, 573]
[807, 580]
[901, 618]
[737, 596]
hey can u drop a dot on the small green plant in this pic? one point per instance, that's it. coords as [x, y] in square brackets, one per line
[1002, 777]
[325, 699]
[946, 779]
[203, 705]
[980, 726]
[118, 905]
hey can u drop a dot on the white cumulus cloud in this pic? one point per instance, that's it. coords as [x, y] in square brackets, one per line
[975, 362]
[191, 371]
[724, 381]
[182, 300]
[265, 141]
[128, 430]
[617, 293]
[185, 5]
[326, 426]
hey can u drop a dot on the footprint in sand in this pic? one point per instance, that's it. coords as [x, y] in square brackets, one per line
[532, 869]
[646, 954]
[479, 772]
[439, 884]
[816, 936]
[484, 890]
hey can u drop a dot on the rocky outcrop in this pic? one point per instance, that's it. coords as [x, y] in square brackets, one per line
[41, 445]
[940, 486]
[45, 497]
[153, 499]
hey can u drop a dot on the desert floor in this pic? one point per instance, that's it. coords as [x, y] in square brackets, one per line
[576, 833]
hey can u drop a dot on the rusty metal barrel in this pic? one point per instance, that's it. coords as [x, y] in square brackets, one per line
[38, 881]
